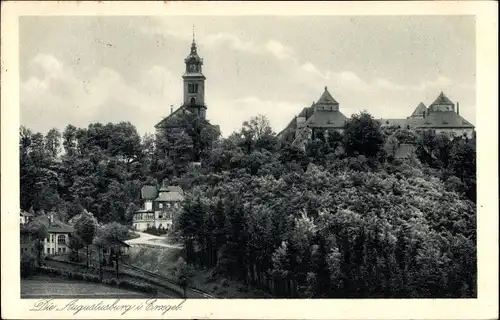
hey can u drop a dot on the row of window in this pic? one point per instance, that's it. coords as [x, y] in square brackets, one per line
[192, 88]
[145, 216]
[61, 239]
[168, 205]
[59, 250]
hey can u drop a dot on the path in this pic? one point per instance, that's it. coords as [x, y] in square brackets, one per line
[146, 239]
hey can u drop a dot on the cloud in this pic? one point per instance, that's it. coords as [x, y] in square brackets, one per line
[279, 50]
[234, 42]
[60, 96]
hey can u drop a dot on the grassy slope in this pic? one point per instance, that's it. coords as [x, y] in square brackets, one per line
[161, 261]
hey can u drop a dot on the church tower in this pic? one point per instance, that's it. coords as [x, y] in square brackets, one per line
[194, 83]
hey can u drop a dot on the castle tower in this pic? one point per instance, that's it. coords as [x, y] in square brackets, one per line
[194, 82]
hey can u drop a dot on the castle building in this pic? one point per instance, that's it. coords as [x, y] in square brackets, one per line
[160, 207]
[194, 91]
[324, 116]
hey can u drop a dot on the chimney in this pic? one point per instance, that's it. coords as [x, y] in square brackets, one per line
[171, 108]
[51, 218]
[458, 108]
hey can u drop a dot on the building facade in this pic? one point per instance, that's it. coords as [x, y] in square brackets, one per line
[57, 238]
[442, 116]
[160, 207]
[324, 116]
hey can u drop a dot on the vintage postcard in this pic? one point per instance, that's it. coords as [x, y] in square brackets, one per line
[275, 160]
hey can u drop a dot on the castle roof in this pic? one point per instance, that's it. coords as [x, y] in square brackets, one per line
[326, 119]
[442, 100]
[444, 119]
[326, 98]
[412, 122]
[419, 110]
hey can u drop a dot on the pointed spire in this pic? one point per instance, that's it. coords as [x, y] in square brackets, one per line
[193, 44]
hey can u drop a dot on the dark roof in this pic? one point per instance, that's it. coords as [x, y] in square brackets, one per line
[170, 193]
[326, 119]
[444, 119]
[148, 192]
[306, 112]
[26, 214]
[108, 242]
[164, 120]
[419, 110]
[326, 98]
[412, 122]
[56, 226]
[442, 100]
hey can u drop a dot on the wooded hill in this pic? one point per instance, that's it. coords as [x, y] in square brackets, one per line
[339, 219]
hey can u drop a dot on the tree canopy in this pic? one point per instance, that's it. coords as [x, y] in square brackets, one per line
[341, 217]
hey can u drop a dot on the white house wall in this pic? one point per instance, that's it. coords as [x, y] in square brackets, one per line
[53, 246]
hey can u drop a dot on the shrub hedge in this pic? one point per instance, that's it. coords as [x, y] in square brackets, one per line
[125, 284]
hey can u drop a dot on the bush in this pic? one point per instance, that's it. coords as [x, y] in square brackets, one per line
[225, 283]
[133, 285]
[156, 231]
[111, 282]
[28, 264]
[69, 274]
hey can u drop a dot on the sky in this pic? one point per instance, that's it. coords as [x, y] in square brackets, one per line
[84, 69]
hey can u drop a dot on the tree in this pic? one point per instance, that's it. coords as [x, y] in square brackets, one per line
[112, 235]
[362, 135]
[256, 131]
[39, 232]
[129, 214]
[75, 244]
[85, 228]
[183, 274]
[69, 140]
[53, 142]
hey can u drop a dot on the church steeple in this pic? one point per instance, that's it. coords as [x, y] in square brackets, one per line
[193, 44]
[194, 81]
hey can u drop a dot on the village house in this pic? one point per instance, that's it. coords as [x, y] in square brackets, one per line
[25, 217]
[160, 207]
[58, 233]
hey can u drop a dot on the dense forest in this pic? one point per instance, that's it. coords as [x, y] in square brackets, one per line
[339, 218]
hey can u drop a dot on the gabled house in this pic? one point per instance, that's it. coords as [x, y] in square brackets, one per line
[26, 217]
[160, 207]
[58, 233]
